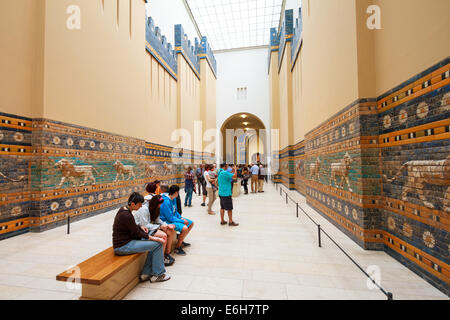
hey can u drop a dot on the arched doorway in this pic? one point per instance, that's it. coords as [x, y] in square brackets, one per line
[244, 139]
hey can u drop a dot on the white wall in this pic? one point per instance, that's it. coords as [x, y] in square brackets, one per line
[238, 69]
[168, 13]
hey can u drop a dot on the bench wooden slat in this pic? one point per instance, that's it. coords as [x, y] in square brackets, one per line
[99, 268]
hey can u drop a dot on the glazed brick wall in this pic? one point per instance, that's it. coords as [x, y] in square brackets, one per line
[40, 202]
[385, 137]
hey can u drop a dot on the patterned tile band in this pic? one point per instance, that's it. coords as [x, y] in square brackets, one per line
[72, 170]
[380, 171]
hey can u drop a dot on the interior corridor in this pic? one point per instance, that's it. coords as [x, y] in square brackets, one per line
[271, 255]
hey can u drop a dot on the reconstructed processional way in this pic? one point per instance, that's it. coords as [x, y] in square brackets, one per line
[271, 255]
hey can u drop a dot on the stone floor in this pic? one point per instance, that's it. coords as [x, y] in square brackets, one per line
[271, 255]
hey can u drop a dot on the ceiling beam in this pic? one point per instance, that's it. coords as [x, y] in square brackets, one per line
[188, 9]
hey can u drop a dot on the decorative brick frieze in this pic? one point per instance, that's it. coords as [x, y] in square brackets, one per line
[380, 171]
[76, 171]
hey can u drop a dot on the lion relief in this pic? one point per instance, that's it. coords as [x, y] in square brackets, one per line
[421, 172]
[70, 172]
[342, 169]
[123, 170]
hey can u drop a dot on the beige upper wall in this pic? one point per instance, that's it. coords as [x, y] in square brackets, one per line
[188, 101]
[21, 33]
[329, 59]
[274, 87]
[414, 36]
[299, 125]
[99, 76]
[285, 91]
[207, 98]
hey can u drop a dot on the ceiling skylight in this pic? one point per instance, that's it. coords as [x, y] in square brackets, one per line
[231, 24]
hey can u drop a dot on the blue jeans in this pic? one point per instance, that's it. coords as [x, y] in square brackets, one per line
[188, 199]
[154, 265]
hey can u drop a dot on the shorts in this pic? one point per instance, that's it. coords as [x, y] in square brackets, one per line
[179, 226]
[205, 193]
[226, 203]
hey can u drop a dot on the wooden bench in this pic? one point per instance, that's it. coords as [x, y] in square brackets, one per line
[106, 276]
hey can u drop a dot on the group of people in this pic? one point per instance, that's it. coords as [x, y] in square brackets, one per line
[150, 224]
[211, 182]
[256, 173]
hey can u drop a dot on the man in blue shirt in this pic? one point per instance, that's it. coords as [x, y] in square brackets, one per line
[225, 193]
[254, 171]
[169, 214]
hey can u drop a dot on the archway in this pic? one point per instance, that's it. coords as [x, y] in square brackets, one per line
[244, 139]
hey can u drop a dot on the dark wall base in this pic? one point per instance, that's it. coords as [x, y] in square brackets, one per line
[431, 279]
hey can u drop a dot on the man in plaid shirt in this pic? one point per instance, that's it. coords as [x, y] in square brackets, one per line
[189, 186]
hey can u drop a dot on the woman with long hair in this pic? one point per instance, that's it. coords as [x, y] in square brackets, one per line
[165, 230]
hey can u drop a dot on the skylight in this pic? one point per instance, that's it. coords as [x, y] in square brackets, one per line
[231, 24]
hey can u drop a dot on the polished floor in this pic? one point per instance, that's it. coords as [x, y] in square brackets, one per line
[271, 255]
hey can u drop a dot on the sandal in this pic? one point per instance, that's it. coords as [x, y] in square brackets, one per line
[223, 223]
[233, 224]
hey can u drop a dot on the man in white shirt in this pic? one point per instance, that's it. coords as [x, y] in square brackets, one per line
[254, 171]
[210, 178]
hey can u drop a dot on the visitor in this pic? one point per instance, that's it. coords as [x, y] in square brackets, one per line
[170, 215]
[245, 177]
[154, 207]
[151, 190]
[225, 193]
[158, 187]
[210, 178]
[159, 229]
[129, 238]
[254, 171]
[261, 179]
[201, 183]
[189, 186]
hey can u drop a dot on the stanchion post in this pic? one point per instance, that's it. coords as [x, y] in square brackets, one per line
[297, 210]
[286, 198]
[320, 240]
[68, 224]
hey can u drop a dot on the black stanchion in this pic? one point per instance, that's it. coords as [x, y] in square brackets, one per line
[297, 209]
[286, 198]
[68, 224]
[320, 240]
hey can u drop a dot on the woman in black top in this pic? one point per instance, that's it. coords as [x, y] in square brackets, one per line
[129, 238]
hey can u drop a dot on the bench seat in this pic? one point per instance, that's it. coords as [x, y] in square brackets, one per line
[106, 276]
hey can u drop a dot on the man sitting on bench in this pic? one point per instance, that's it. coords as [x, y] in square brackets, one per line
[169, 214]
[129, 238]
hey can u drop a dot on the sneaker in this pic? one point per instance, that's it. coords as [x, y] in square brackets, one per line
[211, 213]
[161, 278]
[180, 251]
[168, 262]
[184, 244]
[144, 277]
[203, 205]
[223, 223]
[233, 224]
[170, 257]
